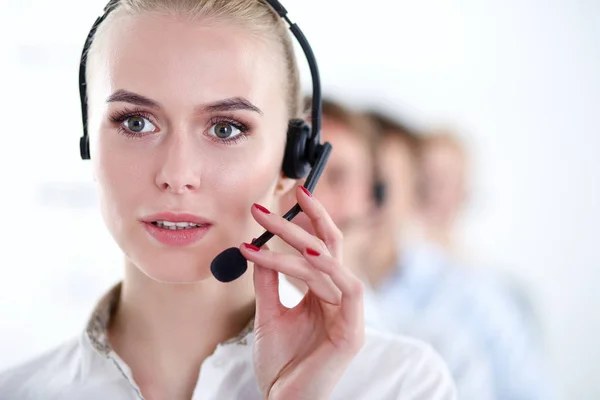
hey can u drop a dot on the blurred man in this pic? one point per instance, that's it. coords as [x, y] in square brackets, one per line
[417, 282]
[346, 189]
[443, 187]
[349, 190]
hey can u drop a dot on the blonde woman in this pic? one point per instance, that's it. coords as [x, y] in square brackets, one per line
[189, 103]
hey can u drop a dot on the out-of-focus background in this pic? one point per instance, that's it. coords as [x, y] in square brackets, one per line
[518, 79]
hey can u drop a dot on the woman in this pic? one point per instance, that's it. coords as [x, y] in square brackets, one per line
[188, 107]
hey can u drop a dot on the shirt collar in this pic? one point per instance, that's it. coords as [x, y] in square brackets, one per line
[97, 327]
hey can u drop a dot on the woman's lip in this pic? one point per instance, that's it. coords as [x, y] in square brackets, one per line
[179, 237]
[176, 217]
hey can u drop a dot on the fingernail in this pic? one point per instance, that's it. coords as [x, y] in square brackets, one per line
[312, 252]
[261, 208]
[305, 190]
[251, 247]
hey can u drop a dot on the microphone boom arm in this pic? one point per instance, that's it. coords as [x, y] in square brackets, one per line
[324, 151]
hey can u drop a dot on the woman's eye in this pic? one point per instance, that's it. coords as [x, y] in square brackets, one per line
[139, 124]
[224, 130]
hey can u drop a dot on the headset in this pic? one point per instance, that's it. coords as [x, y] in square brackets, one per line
[303, 146]
[304, 153]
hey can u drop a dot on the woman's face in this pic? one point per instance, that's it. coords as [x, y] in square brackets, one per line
[444, 183]
[188, 125]
[398, 172]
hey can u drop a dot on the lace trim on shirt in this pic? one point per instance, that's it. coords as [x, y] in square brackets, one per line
[242, 338]
[98, 323]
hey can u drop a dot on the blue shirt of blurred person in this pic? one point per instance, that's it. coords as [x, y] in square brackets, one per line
[457, 310]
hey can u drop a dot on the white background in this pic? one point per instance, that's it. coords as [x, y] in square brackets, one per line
[520, 79]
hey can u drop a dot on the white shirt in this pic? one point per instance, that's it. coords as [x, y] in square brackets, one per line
[388, 367]
[468, 365]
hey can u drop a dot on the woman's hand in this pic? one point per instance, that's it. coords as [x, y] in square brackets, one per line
[301, 353]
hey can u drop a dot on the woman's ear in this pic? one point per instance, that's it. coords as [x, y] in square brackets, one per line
[284, 185]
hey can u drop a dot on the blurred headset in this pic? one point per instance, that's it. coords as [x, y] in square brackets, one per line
[303, 145]
[379, 192]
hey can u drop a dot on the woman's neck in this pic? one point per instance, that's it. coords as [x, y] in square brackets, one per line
[384, 257]
[440, 234]
[165, 331]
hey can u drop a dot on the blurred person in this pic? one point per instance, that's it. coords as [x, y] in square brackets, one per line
[351, 191]
[346, 189]
[189, 104]
[443, 193]
[397, 149]
[443, 187]
[416, 278]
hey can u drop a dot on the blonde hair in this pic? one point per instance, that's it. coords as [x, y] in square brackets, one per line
[257, 15]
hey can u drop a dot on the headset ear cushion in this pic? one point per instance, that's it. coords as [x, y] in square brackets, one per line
[295, 160]
[84, 147]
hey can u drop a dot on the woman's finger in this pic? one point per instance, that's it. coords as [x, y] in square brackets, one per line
[295, 266]
[351, 287]
[266, 288]
[289, 232]
[322, 223]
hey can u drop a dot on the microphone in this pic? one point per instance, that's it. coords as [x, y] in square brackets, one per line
[230, 264]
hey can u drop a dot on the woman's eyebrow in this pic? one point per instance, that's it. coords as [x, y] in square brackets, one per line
[133, 98]
[230, 104]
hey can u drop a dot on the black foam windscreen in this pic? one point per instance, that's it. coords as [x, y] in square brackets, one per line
[229, 265]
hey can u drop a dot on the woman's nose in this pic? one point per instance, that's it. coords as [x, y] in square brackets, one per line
[180, 169]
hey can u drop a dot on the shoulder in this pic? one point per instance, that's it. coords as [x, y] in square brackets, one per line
[497, 303]
[478, 295]
[49, 372]
[410, 361]
[392, 367]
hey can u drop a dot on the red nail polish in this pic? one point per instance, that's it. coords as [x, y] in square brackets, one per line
[251, 247]
[312, 252]
[305, 190]
[261, 208]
